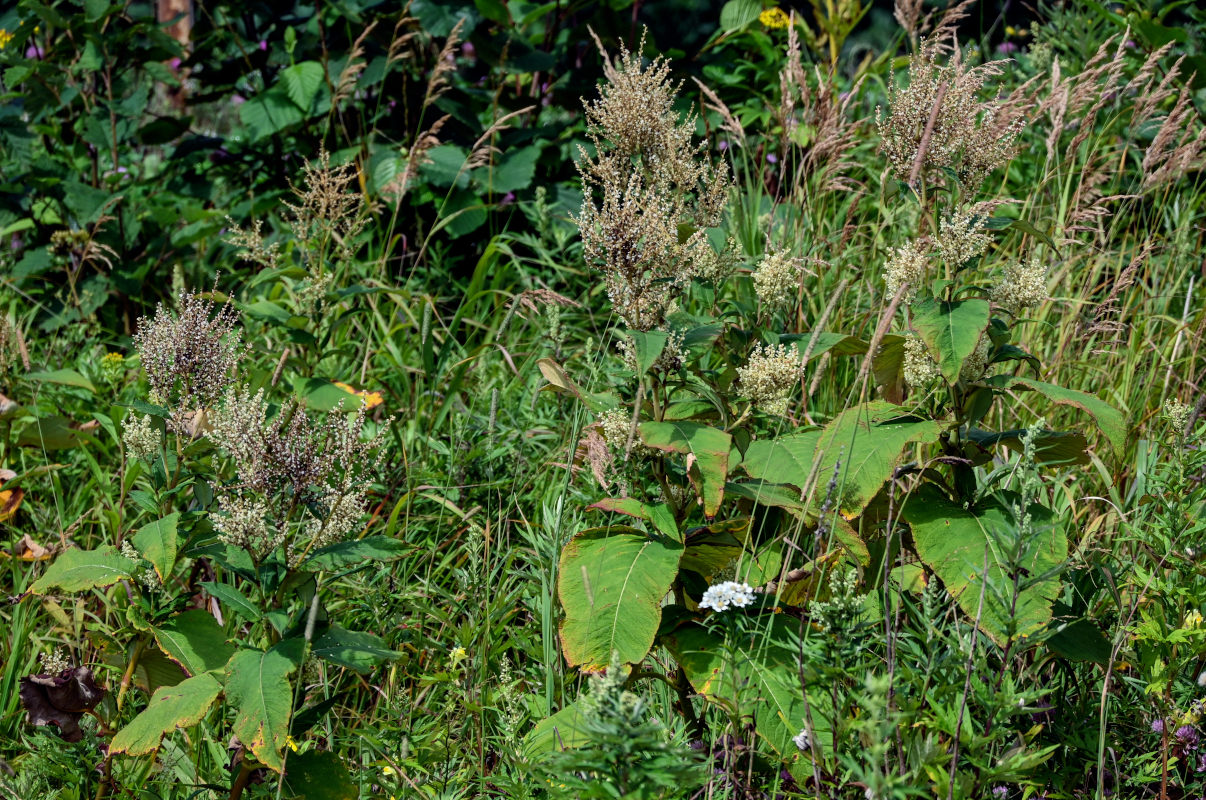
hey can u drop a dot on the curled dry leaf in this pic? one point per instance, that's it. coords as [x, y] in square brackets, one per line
[10, 499]
[61, 699]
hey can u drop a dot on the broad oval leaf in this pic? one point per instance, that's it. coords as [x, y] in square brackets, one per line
[319, 775]
[708, 449]
[77, 570]
[951, 330]
[962, 547]
[195, 641]
[171, 707]
[1110, 420]
[355, 650]
[158, 543]
[564, 730]
[258, 688]
[860, 448]
[611, 583]
[357, 551]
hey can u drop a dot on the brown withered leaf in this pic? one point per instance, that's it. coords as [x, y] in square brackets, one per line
[10, 499]
[61, 700]
[26, 549]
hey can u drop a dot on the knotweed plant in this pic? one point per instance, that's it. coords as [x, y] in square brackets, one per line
[246, 499]
[767, 547]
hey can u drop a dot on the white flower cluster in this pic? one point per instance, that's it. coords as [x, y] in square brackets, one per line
[802, 741]
[1021, 286]
[776, 279]
[906, 266]
[961, 237]
[919, 367]
[770, 375]
[730, 594]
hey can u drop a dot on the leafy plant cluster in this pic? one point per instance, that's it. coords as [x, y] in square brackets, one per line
[474, 400]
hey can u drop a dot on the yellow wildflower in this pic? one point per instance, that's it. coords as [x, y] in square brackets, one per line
[291, 744]
[1193, 619]
[388, 770]
[370, 399]
[1011, 31]
[774, 18]
[5, 38]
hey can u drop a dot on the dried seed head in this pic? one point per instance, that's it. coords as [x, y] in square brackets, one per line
[647, 181]
[966, 135]
[141, 439]
[769, 376]
[189, 356]
[244, 522]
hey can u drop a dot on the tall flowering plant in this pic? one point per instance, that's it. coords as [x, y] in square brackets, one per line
[740, 502]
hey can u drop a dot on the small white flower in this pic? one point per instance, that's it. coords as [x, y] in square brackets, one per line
[1202, 680]
[722, 596]
[802, 741]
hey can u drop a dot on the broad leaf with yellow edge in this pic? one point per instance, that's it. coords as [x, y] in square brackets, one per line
[611, 583]
[258, 688]
[171, 707]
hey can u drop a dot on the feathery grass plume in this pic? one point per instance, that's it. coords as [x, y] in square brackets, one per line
[822, 116]
[437, 82]
[907, 265]
[353, 66]
[908, 14]
[1022, 285]
[770, 374]
[647, 179]
[325, 212]
[966, 134]
[1177, 147]
[190, 356]
[920, 369]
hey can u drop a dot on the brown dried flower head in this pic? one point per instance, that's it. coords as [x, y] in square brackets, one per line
[190, 356]
[647, 180]
[966, 135]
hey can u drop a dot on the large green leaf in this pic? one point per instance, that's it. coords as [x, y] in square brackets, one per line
[951, 330]
[195, 641]
[611, 583]
[76, 570]
[302, 82]
[708, 449]
[357, 551]
[1110, 420]
[66, 377]
[963, 548]
[258, 688]
[319, 775]
[355, 650]
[764, 678]
[171, 707]
[563, 730]
[158, 542]
[862, 445]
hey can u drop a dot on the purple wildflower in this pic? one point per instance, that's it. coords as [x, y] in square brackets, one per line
[264, 45]
[1187, 734]
[771, 158]
[722, 145]
[1007, 47]
[1157, 726]
[1000, 792]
